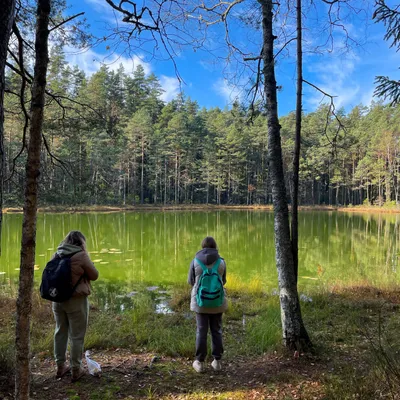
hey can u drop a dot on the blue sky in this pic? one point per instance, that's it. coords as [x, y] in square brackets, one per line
[346, 72]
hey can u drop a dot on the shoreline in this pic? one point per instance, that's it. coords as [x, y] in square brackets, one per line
[143, 352]
[198, 207]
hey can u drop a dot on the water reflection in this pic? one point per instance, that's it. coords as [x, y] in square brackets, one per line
[154, 249]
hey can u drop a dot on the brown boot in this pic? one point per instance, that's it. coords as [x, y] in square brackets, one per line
[77, 374]
[62, 370]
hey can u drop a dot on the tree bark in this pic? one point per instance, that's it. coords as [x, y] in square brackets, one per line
[294, 333]
[6, 21]
[297, 144]
[165, 181]
[142, 174]
[24, 301]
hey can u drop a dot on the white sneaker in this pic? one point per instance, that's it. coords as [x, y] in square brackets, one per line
[198, 366]
[217, 365]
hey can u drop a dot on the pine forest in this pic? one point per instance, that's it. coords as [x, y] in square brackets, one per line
[111, 140]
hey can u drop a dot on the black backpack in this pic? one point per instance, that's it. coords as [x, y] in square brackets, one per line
[57, 280]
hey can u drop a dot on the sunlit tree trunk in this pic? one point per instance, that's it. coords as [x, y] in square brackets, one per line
[294, 332]
[24, 301]
[6, 21]
[207, 188]
[165, 181]
[176, 177]
[388, 189]
[155, 182]
[142, 174]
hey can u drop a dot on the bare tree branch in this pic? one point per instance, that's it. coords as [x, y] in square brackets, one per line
[331, 111]
[66, 21]
[60, 162]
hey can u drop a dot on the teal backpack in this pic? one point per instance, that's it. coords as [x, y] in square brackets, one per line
[210, 290]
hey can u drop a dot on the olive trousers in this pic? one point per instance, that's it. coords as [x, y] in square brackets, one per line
[71, 323]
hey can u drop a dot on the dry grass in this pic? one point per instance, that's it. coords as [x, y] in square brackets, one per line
[354, 330]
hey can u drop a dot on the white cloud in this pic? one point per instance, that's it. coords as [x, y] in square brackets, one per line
[368, 96]
[99, 5]
[91, 61]
[337, 76]
[228, 91]
[171, 87]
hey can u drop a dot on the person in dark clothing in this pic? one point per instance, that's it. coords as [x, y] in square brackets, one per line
[207, 316]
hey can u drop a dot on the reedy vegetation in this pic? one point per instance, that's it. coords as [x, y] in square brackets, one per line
[121, 144]
[355, 333]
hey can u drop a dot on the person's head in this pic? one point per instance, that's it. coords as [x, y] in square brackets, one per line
[76, 238]
[209, 243]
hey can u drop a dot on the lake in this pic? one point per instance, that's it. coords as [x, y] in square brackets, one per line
[154, 249]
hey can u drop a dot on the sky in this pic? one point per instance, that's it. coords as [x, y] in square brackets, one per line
[342, 62]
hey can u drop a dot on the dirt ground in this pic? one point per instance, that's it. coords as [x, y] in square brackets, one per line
[146, 376]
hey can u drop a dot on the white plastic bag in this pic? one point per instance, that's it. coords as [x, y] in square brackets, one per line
[93, 366]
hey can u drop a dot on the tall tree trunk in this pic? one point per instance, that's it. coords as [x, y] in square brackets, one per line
[124, 188]
[165, 181]
[294, 332]
[155, 182]
[312, 193]
[179, 178]
[337, 195]
[296, 153]
[134, 180]
[207, 188]
[388, 189]
[229, 183]
[176, 177]
[142, 175]
[24, 301]
[6, 21]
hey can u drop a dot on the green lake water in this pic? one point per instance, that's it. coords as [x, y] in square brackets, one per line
[155, 248]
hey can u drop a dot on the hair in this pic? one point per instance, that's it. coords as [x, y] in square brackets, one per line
[76, 238]
[209, 242]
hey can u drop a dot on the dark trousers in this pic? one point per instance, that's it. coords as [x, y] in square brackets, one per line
[203, 321]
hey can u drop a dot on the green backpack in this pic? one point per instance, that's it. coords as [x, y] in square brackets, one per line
[210, 290]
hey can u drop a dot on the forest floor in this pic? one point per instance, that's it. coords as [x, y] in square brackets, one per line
[137, 376]
[200, 207]
[356, 355]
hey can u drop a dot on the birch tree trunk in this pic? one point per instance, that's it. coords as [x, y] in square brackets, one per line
[294, 333]
[6, 21]
[142, 174]
[24, 301]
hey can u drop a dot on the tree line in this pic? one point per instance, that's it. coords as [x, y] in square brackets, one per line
[114, 141]
[88, 138]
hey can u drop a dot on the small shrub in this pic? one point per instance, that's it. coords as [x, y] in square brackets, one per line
[390, 204]
[366, 202]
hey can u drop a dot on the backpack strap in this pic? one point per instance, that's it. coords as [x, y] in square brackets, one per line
[203, 267]
[80, 278]
[216, 265]
[77, 283]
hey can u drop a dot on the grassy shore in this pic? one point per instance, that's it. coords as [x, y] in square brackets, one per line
[148, 355]
[200, 207]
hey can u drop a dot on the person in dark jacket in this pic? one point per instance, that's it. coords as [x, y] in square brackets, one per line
[207, 317]
[71, 316]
